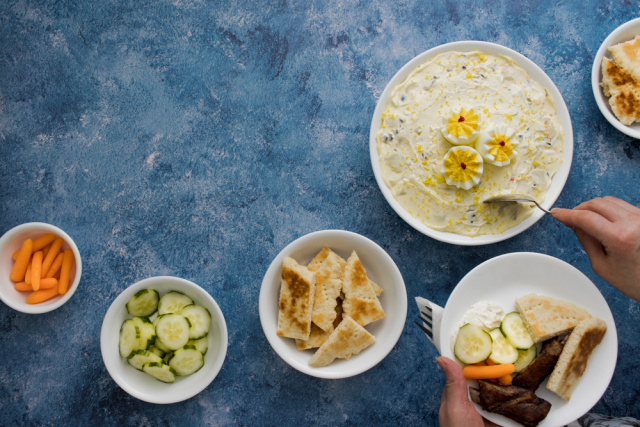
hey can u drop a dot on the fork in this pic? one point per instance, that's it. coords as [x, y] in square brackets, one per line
[428, 320]
[513, 198]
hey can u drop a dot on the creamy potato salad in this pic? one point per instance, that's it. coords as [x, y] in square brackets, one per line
[462, 127]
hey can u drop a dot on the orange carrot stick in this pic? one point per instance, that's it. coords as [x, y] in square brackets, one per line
[36, 297]
[44, 284]
[27, 275]
[51, 255]
[485, 372]
[65, 271]
[505, 379]
[39, 243]
[22, 262]
[57, 263]
[23, 286]
[46, 250]
[36, 270]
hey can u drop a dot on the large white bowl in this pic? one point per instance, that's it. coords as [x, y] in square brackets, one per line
[558, 181]
[621, 34]
[10, 242]
[141, 385]
[379, 267]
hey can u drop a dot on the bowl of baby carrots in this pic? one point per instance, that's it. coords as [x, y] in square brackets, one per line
[40, 267]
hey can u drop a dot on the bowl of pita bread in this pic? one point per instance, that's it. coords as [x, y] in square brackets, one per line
[333, 304]
[615, 78]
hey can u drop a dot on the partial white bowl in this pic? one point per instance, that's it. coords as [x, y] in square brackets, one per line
[11, 242]
[501, 280]
[379, 267]
[141, 385]
[623, 33]
[557, 183]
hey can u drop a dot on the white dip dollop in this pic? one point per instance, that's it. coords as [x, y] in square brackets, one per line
[411, 147]
[483, 314]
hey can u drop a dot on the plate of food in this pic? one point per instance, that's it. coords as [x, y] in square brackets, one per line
[463, 122]
[333, 304]
[615, 78]
[555, 318]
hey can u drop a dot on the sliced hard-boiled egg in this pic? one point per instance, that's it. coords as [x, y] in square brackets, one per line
[497, 145]
[462, 127]
[462, 167]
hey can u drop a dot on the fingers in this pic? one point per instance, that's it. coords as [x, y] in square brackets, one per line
[628, 207]
[604, 207]
[455, 388]
[590, 222]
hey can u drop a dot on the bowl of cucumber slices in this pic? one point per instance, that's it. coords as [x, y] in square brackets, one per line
[163, 339]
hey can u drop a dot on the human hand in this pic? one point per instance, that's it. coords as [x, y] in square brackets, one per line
[455, 407]
[609, 230]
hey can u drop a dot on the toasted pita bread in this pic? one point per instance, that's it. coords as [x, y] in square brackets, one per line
[627, 56]
[574, 358]
[328, 286]
[297, 290]
[347, 339]
[623, 92]
[547, 317]
[361, 302]
[318, 336]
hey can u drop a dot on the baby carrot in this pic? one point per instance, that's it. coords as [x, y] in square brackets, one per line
[44, 284]
[486, 372]
[65, 271]
[23, 286]
[57, 263]
[22, 261]
[51, 255]
[505, 379]
[39, 243]
[36, 270]
[36, 297]
[27, 275]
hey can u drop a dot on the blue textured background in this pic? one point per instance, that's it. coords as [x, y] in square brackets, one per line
[198, 138]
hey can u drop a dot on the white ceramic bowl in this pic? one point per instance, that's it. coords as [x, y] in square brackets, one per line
[380, 268]
[558, 181]
[141, 385]
[621, 34]
[11, 242]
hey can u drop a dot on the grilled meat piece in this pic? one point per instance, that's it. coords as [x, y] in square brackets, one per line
[517, 403]
[533, 375]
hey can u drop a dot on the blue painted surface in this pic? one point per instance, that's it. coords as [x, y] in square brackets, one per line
[198, 138]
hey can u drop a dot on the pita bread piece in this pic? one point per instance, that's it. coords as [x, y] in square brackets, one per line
[347, 339]
[546, 317]
[360, 300]
[297, 290]
[623, 92]
[328, 286]
[627, 56]
[575, 356]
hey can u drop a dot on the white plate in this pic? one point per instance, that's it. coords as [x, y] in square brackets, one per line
[558, 181]
[621, 34]
[144, 386]
[503, 279]
[379, 267]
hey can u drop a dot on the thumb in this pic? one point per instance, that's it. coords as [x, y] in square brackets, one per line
[455, 387]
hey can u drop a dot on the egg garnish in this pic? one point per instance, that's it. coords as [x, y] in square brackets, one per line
[462, 127]
[497, 145]
[462, 167]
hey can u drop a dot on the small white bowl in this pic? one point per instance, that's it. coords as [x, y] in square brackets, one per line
[623, 33]
[380, 268]
[11, 242]
[557, 183]
[141, 385]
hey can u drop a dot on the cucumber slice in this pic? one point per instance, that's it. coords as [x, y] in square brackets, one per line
[200, 320]
[161, 346]
[141, 358]
[502, 351]
[473, 344]
[129, 337]
[186, 360]
[160, 371]
[155, 350]
[202, 345]
[147, 333]
[525, 357]
[143, 303]
[173, 302]
[173, 330]
[514, 329]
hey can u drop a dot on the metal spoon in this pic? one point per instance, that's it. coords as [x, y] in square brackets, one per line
[513, 198]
